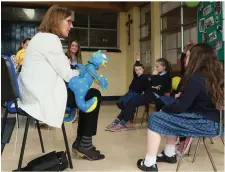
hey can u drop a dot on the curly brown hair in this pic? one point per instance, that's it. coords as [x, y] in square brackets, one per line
[203, 58]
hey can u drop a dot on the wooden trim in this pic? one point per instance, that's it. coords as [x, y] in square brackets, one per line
[170, 29]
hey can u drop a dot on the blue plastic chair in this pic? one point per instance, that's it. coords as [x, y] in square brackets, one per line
[10, 94]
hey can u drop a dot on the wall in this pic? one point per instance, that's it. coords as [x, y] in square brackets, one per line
[119, 69]
[135, 44]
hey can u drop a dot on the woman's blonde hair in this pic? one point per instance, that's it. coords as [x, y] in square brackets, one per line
[53, 18]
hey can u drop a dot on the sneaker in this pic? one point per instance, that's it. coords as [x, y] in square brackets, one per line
[111, 125]
[142, 167]
[184, 146]
[71, 117]
[119, 127]
[164, 158]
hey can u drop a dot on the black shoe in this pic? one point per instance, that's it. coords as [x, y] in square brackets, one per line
[75, 146]
[165, 158]
[89, 154]
[141, 166]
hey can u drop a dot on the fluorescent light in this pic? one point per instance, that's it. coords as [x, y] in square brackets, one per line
[29, 12]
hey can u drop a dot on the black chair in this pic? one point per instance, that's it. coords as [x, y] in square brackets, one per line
[10, 93]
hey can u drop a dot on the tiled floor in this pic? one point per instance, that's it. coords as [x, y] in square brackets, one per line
[122, 150]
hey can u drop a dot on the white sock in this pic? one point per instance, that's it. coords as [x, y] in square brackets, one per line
[150, 160]
[170, 150]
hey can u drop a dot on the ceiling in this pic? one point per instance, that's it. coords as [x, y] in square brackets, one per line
[112, 6]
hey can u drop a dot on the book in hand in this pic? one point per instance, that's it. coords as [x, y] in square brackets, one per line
[167, 99]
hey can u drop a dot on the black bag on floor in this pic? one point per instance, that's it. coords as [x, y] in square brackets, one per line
[53, 161]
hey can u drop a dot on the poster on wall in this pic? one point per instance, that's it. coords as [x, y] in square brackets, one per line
[210, 20]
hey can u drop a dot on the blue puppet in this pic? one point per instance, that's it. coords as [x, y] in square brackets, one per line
[82, 83]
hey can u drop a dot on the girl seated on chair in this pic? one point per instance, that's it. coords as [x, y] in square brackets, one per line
[183, 143]
[157, 84]
[137, 86]
[21, 53]
[194, 113]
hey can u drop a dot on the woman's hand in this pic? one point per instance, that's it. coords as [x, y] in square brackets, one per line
[177, 95]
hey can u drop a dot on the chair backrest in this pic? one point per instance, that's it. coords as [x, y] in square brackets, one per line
[9, 83]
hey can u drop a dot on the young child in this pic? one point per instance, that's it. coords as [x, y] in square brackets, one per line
[138, 85]
[159, 84]
[21, 53]
[184, 141]
[161, 81]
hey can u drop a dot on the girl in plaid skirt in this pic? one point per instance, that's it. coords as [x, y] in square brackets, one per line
[194, 114]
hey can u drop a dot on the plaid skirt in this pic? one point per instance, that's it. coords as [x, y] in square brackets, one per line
[183, 124]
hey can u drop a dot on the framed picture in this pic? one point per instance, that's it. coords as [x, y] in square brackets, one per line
[217, 19]
[202, 25]
[217, 7]
[218, 45]
[207, 10]
[204, 37]
[212, 36]
[209, 22]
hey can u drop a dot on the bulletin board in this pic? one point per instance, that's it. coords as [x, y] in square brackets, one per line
[210, 26]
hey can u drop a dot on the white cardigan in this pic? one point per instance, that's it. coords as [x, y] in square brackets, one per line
[41, 81]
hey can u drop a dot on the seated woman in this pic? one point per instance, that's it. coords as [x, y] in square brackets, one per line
[194, 114]
[42, 80]
[87, 122]
[156, 85]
